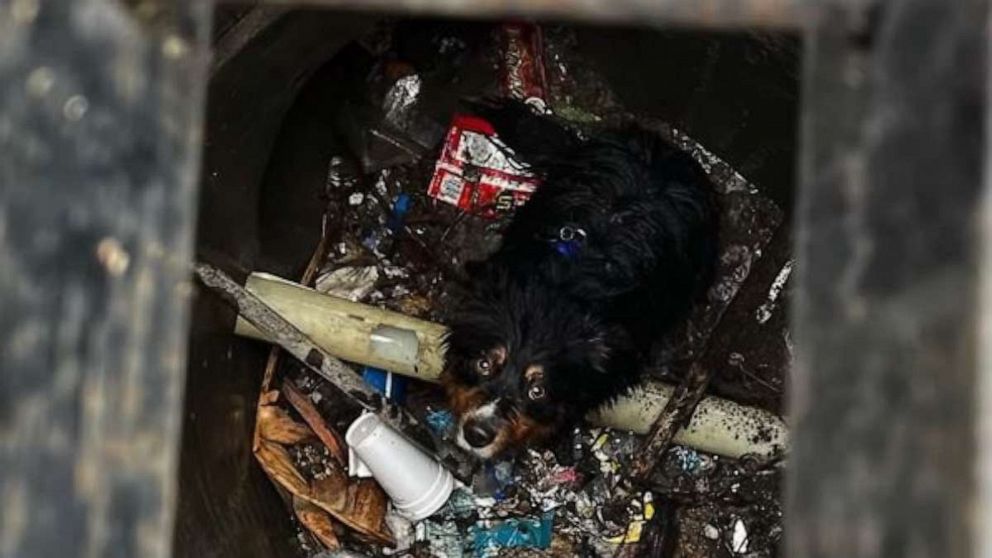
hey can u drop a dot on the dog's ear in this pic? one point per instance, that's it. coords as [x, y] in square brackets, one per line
[595, 349]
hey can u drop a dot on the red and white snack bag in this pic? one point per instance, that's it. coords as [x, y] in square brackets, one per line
[522, 74]
[477, 172]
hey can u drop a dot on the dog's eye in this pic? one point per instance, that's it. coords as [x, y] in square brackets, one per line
[483, 366]
[535, 392]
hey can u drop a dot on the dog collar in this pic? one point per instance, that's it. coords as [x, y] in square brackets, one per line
[568, 242]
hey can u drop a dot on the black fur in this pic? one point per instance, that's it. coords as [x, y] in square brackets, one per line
[587, 318]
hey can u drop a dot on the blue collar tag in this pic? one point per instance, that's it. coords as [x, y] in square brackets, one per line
[569, 241]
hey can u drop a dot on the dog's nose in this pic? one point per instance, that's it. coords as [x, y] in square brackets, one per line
[477, 434]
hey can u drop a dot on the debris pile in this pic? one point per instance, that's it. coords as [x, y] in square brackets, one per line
[408, 204]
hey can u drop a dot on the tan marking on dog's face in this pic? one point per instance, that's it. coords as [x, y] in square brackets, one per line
[497, 356]
[534, 373]
[464, 399]
[461, 397]
[523, 430]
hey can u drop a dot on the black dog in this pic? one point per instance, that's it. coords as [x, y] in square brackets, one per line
[609, 252]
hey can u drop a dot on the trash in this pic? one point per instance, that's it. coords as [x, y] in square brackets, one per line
[648, 506]
[565, 476]
[391, 250]
[394, 389]
[444, 539]
[403, 125]
[739, 538]
[342, 174]
[488, 540]
[360, 505]
[461, 504]
[275, 424]
[682, 460]
[642, 512]
[687, 459]
[441, 421]
[415, 481]
[356, 467]
[378, 241]
[522, 74]
[351, 283]
[394, 272]
[401, 206]
[718, 425]
[577, 115]
[400, 100]
[764, 312]
[711, 532]
[477, 173]
[403, 532]
[603, 451]
[391, 385]
[597, 446]
[503, 472]
[394, 132]
[317, 521]
[631, 535]
[303, 405]
[493, 479]
[484, 483]
[345, 329]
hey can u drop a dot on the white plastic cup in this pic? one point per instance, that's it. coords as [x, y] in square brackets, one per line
[417, 484]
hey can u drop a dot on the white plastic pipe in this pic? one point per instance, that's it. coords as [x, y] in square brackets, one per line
[352, 331]
[718, 426]
[372, 336]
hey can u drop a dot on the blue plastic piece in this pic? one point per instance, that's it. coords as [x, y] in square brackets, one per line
[393, 386]
[401, 206]
[441, 421]
[512, 533]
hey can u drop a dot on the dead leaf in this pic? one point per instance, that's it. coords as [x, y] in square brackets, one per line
[277, 463]
[332, 491]
[330, 438]
[358, 503]
[268, 397]
[265, 397]
[276, 425]
[318, 521]
[368, 505]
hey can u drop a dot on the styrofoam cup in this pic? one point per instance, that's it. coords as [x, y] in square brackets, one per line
[417, 484]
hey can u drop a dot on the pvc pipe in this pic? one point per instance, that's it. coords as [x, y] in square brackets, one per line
[718, 425]
[375, 337]
[352, 331]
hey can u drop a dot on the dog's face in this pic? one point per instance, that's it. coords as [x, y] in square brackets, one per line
[520, 365]
[502, 400]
